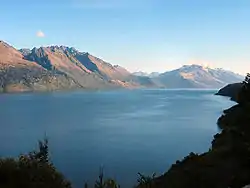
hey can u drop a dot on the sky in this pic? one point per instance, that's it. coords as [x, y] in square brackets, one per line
[140, 35]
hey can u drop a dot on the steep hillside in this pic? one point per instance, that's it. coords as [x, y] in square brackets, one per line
[61, 61]
[9, 56]
[61, 67]
[18, 74]
[87, 70]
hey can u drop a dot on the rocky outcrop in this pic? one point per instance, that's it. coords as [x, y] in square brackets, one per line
[230, 90]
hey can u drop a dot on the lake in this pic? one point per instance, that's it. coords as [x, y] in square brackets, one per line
[125, 131]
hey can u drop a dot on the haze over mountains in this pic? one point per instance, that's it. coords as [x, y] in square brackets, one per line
[151, 75]
[61, 67]
[197, 76]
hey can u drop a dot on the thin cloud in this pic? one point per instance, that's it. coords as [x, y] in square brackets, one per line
[40, 34]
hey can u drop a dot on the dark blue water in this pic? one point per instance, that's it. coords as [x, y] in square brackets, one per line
[126, 132]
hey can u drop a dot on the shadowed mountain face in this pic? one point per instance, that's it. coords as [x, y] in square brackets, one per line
[59, 60]
[88, 70]
[63, 58]
[196, 76]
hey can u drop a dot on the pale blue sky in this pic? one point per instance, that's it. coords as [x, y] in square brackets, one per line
[147, 35]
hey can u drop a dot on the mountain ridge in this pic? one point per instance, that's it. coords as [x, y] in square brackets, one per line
[60, 67]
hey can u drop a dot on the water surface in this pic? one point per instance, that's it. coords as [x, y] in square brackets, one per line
[124, 131]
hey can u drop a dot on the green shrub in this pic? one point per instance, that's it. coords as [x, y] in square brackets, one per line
[33, 170]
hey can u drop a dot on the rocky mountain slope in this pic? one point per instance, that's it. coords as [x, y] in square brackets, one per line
[62, 61]
[61, 67]
[18, 74]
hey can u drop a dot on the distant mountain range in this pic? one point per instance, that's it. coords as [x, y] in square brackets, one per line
[150, 75]
[197, 76]
[63, 68]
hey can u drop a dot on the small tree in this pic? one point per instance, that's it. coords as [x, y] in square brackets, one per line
[244, 93]
[43, 154]
[32, 170]
[247, 79]
[100, 183]
[145, 181]
[110, 183]
[85, 185]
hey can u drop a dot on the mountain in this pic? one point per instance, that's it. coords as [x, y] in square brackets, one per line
[62, 60]
[196, 76]
[18, 74]
[88, 70]
[154, 74]
[140, 73]
[150, 75]
[60, 67]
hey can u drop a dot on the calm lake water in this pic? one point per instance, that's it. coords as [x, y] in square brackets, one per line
[126, 132]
